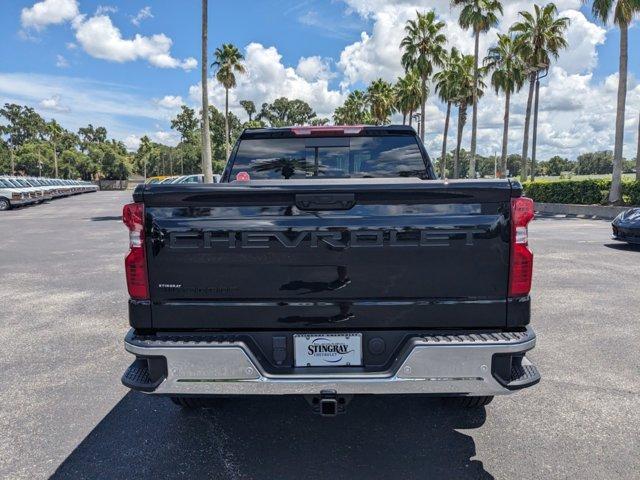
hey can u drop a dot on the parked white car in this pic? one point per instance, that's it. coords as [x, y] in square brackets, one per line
[34, 193]
[11, 196]
[17, 191]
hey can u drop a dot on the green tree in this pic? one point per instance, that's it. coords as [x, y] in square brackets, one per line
[422, 49]
[75, 164]
[249, 107]
[115, 166]
[186, 123]
[595, 163]
[283, 112]
[508, 76]
[143, 155]
[54, 131]
[556, 165]
[254, 124]
[35, 158]
[228, 63]
[22, 124]
[446, 88]
[381, 98]
[90, 135]
[623, 12]
[408, 94]
[220, 125]
[319, 121]
[464, 96]
[354, 111]
[480, 16]
[539, 37]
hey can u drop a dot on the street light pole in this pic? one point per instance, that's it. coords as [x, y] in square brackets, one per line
[418, 118]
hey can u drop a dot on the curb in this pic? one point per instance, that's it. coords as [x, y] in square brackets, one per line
[583, 211]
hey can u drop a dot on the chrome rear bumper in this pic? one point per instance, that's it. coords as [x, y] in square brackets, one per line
[462, 364]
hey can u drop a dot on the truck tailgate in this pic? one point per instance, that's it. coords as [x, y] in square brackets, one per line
[328, 254]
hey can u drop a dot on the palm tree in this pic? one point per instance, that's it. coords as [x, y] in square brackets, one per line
[408, 94]
[207, 169]
[423, 48]
[480, 16]
[228, 62]
[54, 130]
[446, 85]
[249, 107]
[508, 75]
[623, 13]
[463, 97]
[354, 111]
[381, 99]
[539, 37]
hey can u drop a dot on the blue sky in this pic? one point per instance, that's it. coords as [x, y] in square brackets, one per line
[80, 61]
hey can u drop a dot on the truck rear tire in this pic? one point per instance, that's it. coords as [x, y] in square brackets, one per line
[191, 403]
[470, 402]
[5, 204]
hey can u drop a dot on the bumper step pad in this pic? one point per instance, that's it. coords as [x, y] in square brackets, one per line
[137, 377]
[523, 375]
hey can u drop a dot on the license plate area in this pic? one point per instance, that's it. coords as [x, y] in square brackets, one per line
[327, 350]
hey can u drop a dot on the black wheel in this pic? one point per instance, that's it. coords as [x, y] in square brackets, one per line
[191, 403]
[469, 402]
[5, 204]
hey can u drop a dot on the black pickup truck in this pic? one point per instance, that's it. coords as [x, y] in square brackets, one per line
[330, 262]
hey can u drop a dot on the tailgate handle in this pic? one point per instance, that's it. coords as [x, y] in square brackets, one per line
[327, 201]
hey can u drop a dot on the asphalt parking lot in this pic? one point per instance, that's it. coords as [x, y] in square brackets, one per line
[65, 414]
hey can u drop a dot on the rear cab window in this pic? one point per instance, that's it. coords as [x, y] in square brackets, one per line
[364, 156]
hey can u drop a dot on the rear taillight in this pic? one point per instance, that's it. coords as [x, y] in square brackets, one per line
[521, 265]
[136, 261]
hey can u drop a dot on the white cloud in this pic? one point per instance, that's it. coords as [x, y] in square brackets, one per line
[49, 12]
[132, 142]
[583, 37]
[75, 102]
[100, 38]
[267, 78]
[314, 68]
[61, 62]
[53, 104]
[106, 9]
[170, 101]
[166, 137]
[143, 14]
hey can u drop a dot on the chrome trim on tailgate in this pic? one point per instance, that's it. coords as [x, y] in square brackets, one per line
[431, 364]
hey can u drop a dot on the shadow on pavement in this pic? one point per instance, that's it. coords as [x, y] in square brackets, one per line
[379, 437]
[106, 219]
[625, 247]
